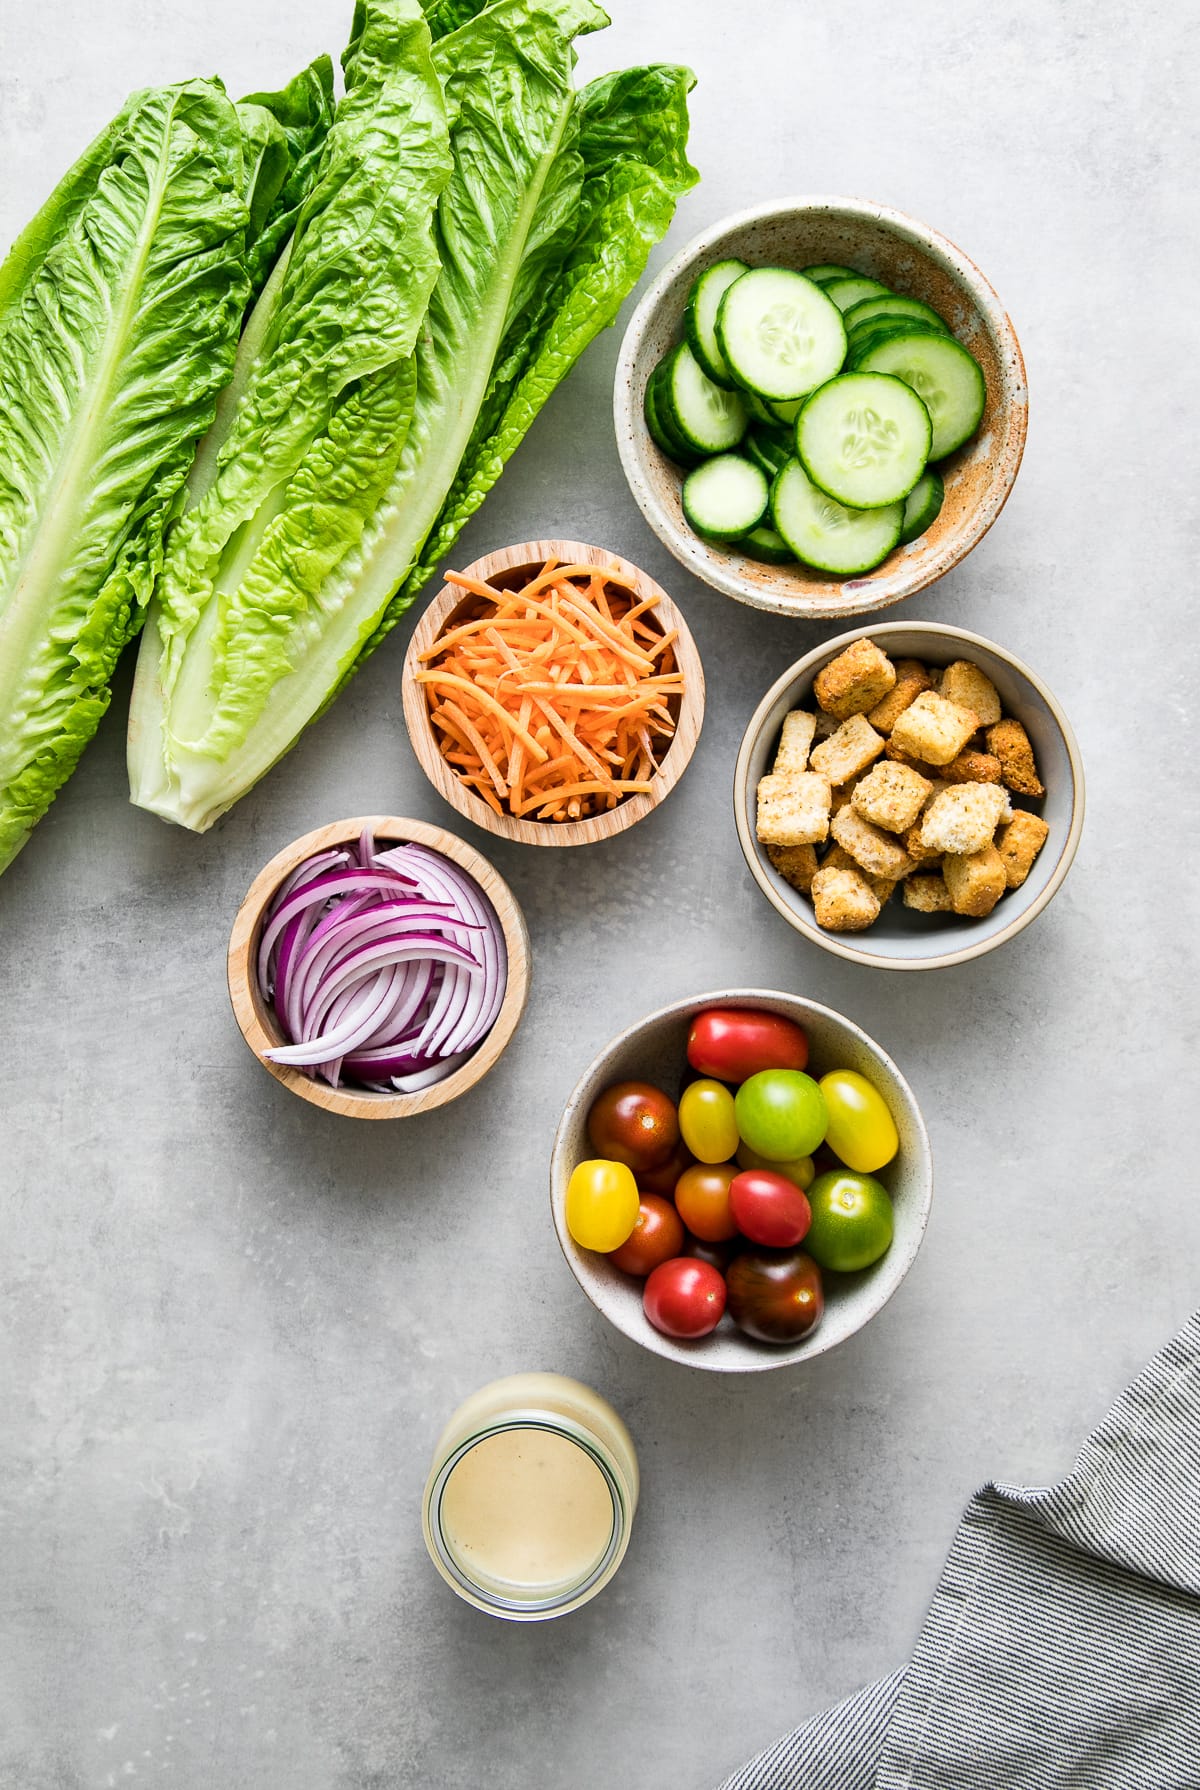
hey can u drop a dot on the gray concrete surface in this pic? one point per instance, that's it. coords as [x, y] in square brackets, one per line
[232, 1326]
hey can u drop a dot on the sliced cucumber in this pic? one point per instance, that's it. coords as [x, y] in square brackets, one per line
[763, 543]
[864, 439]
[866, 336]
[889, 305]
[845, 293]
[768, 448]
[948, 381]
[659, 434]
[823, 533]
[828, 270]
[758, 408]
[921, 506]
[786, 409]
[706, 418]
[725, 497]
[780, 334]
[700, 317]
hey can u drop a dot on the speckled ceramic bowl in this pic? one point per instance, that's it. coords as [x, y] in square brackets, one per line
[901, 939]
[912, 259]
[654, 1050]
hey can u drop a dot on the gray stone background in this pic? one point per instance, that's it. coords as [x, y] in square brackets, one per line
[233, 1326]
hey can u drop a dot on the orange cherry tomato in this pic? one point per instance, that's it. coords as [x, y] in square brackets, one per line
[702, 1200]
[656, 1237]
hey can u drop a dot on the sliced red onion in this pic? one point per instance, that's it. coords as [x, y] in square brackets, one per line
[385, 969]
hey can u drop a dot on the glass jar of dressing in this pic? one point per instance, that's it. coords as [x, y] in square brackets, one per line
[531, 1496]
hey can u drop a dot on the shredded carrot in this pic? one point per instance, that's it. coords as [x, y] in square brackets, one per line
[557, 700]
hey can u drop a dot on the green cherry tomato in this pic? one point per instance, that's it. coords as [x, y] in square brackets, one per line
[802, 1171]
[861, 1129]
[706, 1119]
[602, 1204]
[781, 1114]
[852, 1221]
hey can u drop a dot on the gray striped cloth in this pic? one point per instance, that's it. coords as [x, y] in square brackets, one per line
[1062, 1647]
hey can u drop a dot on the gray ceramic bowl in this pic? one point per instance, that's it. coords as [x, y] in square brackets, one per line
[654, 1051]
[911, 258]
[901, 939]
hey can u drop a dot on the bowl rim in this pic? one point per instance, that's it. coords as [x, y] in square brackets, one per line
[527, 554]
[769, 1357]
[811, 662]
[688, 550]
[259, 1029]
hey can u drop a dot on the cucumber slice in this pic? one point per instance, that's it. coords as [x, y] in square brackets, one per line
[725, 497]
[763, 543]
[845, 293]
[705, 417]
[780, 334]
[948, 381]
[786, 410]
[825, 534]
[661, 436]
[828, 270]
[864, 439]
[700, 317]
[892, 304]
[757, 408]
[768, 448]
[866, 336]
[921, 506]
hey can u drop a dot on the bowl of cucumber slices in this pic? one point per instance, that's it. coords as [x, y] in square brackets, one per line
[820, 406]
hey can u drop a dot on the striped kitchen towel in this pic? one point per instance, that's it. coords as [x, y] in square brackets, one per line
[1062, 1647]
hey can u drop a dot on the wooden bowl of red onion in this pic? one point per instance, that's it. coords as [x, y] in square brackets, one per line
[378, 967]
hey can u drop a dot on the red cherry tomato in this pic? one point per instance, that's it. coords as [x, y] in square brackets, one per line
[685, 1297]
[702, 1197]
[634, 1123]
[656, 1237]
[662, 1179]
[775, 1295]
[734, 1043]
[768, 1208]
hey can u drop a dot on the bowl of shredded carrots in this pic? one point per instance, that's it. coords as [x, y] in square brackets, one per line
[553, 693]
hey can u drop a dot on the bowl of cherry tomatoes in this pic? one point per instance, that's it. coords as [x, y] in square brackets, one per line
[741, 1180]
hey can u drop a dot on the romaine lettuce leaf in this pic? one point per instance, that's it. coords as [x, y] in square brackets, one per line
[304, 112]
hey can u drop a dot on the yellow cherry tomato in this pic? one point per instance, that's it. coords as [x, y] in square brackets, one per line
[602, 1204]
[802, 1170]
[707, 1121]
[861, 1130]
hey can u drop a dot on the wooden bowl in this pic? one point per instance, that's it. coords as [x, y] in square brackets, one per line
[911, 258]
[901, 939]
[257, 1020]
[508, 570]
[654, 1051]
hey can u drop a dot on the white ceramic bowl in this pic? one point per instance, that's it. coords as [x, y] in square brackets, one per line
[654, 1050]
[911, 258]
[901, 939]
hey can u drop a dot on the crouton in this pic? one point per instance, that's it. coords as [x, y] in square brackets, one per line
[1009, 742]
[964, 683]
[933, 729]
[1019, 844]
[891, 796]
[826, 725]
[963, 818]
[850, 750]
[855, 681]
[921, 854]
[971, 767]
[882, 887]
[793, 808]
[927, 894]
[843, 901]
[911, 679]
[795, 741]
[842, 794]
[874, 850]
[976, 880]
[796, 864]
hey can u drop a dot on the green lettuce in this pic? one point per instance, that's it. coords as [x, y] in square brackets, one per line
[119, 313]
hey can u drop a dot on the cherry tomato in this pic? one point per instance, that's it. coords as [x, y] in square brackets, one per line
[662, 1179]
[775, 1295]
[852, 1221]
[802, 1171]
[706, 1119]
[634, 1123]
[781, 1114]
[768, 1208]
[734, 1043]
[702, 1200]
[717, 1255]
[656, 1237]
[684, 1297]
[602, 1204]
[861, 1128]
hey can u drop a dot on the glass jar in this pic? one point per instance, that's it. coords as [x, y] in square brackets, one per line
[530, 1499]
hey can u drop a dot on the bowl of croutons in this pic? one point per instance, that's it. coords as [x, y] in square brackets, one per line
[910, 796]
